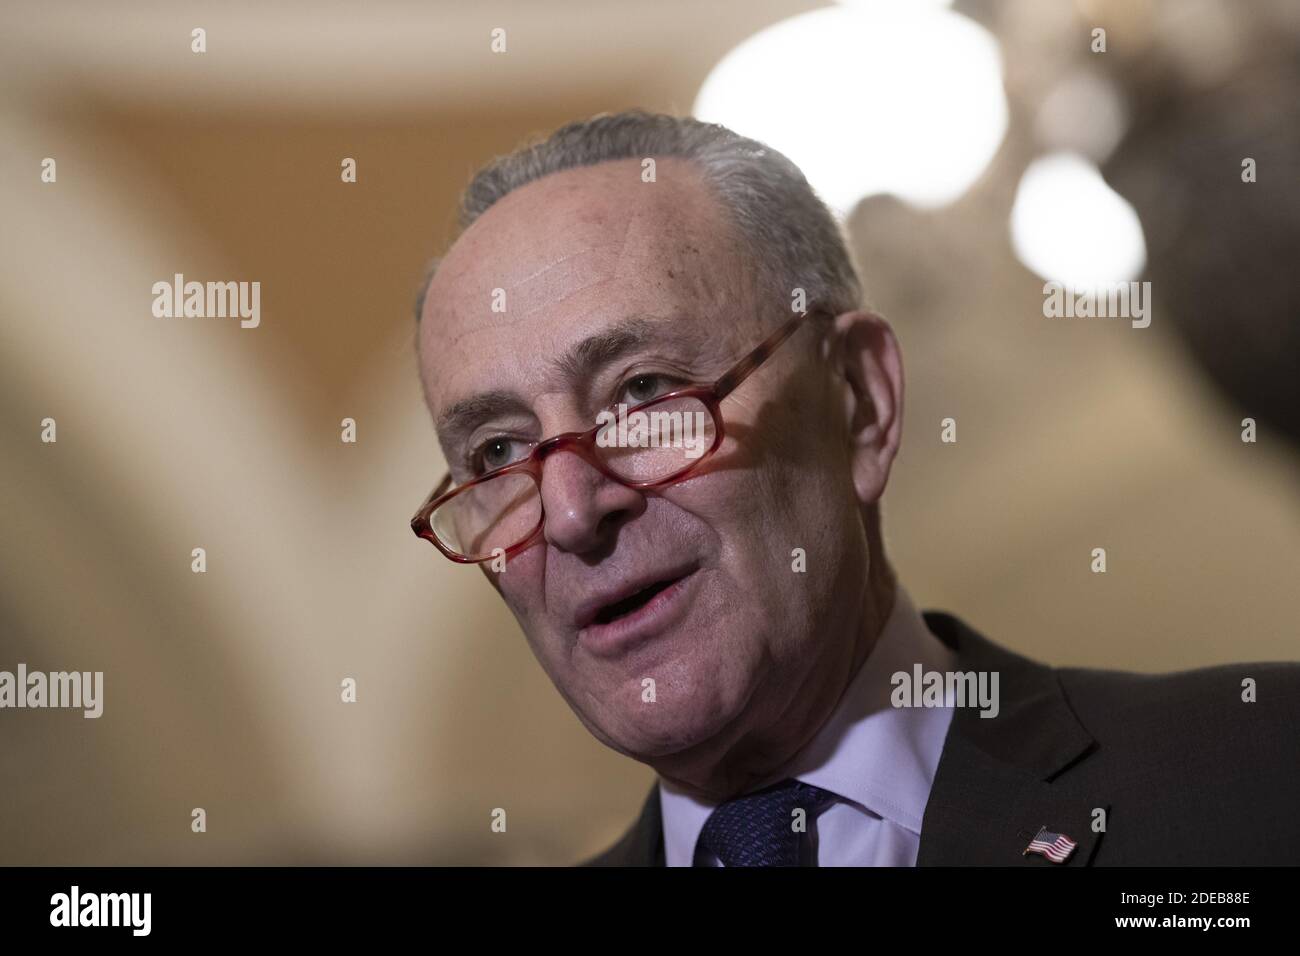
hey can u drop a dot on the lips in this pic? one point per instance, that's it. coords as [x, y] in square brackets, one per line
[614, 604]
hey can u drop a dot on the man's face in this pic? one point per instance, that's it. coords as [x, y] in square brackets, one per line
[616, 290]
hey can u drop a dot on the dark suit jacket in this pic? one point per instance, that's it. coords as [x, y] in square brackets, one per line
[1186, 772]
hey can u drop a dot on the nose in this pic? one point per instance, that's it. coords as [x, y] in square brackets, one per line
[584, 509]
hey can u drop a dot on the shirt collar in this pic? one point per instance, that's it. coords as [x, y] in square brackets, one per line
[868, 753]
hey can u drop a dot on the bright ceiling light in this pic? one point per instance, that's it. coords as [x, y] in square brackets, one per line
[1068, 226]
[876, 97]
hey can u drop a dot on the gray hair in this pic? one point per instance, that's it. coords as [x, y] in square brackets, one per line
[794, 239]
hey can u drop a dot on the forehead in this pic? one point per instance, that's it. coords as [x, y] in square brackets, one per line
[567, 256]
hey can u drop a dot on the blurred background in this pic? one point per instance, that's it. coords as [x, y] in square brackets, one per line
[974, 149]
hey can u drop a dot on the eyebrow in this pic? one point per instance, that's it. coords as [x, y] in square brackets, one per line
[607, 345]
[458, 421]
[577, 363]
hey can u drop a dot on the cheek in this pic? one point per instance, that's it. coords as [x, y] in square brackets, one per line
[521, 586]
[751, 516]
[775, 492]
[784, 528]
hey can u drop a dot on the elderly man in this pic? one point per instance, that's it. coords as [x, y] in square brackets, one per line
[722, 609]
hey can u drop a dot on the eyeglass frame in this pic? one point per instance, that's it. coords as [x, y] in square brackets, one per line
[584, 445]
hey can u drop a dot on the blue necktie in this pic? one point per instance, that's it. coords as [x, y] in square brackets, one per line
[758, 828]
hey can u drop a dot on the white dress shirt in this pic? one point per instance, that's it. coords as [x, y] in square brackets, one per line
[878, 760]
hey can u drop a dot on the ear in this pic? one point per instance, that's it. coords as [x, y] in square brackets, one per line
[872, 365]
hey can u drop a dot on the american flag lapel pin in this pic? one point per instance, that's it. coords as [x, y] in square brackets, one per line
[1057, 847]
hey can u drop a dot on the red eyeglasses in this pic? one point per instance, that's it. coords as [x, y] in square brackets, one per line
[500, 513]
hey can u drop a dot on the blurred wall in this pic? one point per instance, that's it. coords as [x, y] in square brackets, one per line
[222, 689]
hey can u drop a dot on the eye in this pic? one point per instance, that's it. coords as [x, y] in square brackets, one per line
[642, 388]
[497, 452]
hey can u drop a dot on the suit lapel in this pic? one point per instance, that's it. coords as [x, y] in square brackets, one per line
[643, 844]
[647, 847]
[994, 789]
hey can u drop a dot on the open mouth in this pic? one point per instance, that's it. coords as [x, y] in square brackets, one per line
[634, 602]
[611, 622]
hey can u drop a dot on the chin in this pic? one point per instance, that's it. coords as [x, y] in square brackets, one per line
[657, 730]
